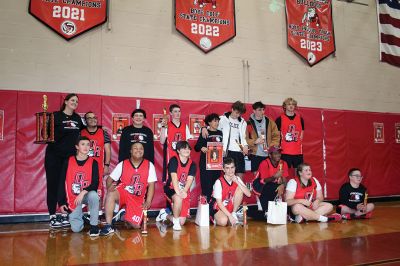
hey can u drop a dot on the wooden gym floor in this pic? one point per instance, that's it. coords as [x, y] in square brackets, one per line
[355, 242]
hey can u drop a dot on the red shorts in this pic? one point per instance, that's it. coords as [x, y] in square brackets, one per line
[133, 206]
[185, 211]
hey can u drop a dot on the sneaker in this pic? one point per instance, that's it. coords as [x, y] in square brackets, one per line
[336, 217]
[239, 212]
[177, 225]
[64, 220]
[298, 219]
[346, 216]
[162, 216]
[118, 216]
[106, 230]
[266, 215]
[368, 215]
[94, 230]
[86, 218]
[54, 222]
[235, 216]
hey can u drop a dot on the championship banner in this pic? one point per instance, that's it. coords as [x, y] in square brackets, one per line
[206, 23]
[310, 29]
[196, 122]
[397, 132]
[119, 121]
[379, 136]
[69, 18]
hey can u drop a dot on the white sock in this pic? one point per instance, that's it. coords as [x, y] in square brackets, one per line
[323, 219]
[175, 220]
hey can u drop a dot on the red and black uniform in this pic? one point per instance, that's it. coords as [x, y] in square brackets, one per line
[76, 177]
[291, 128]
[264, 185]
[97, 141]
[306, 192]
[66, 132]
[228, 192]
[132, 189]
[182, 170]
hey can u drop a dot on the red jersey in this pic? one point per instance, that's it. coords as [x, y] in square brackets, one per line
[267, 169]
[76, 179]
[228, 191]
[290, 135]
[175, 134]
[134, 180]
[96, 147]
[182, 173]
[308, 193]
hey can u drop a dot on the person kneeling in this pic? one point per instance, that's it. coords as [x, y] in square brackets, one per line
[181, 173]
[79, 183]
[227, 195]
[136, 176]
[304, 196]
[352, 203]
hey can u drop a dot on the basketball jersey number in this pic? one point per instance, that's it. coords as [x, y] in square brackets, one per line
[137, 187]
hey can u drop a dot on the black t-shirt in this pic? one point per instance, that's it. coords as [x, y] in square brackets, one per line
[351, 196]
[131, 134]
[213, 136]
[173, 167]
[66, 131]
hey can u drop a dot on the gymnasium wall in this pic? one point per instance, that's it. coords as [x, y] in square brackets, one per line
[348, 137]
[140, 54]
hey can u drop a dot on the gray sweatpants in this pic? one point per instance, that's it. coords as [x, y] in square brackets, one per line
[75, 218]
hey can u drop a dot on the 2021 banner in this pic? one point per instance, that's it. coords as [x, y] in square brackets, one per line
[206, 23]
[310, 29]
[69, 18]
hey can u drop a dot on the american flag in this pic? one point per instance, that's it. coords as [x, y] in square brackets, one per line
[389, 30]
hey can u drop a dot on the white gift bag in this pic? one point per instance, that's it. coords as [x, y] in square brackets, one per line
[203, 215]
[277, 212]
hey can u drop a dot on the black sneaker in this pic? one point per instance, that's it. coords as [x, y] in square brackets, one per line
[64, 220]
[54, 222]
[118, 216]
[106, 230]
[86, 218]
[94, 230]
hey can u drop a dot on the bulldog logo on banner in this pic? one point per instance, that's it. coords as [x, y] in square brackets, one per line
[310, 28]
[69, 18]
[206, 23]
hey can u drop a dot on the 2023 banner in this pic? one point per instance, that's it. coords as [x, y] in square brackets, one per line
[69, 18]
[310, 29]
[206, 23]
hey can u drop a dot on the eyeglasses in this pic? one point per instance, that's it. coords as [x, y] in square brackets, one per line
[92, 118]
[358, 176]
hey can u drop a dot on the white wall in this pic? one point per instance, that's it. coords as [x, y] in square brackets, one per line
[144, 56]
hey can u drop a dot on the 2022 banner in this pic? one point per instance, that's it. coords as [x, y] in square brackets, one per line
[310, 29]
[206, 23]
[69, 18]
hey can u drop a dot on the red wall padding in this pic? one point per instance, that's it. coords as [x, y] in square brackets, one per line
[348, 137]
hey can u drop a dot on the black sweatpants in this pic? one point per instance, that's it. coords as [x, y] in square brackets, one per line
[207, 180]
[53, 165]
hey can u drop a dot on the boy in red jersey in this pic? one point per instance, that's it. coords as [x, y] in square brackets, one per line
[80, 180]
[305, 199]
[100, 146]
[291, 126]
[181, 174]
[137, 177]
[227, 195]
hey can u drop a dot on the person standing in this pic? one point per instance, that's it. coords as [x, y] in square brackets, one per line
[137, 132]
[67, 126]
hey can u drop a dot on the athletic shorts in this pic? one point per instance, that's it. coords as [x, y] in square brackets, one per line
[293, 160]
[255, 162]
[133, 206]
[239, 160]
[185, 211]
[214, 208]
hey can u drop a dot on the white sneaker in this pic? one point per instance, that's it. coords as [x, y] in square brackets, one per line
[235, 216]
[299, 219]
[177, 225]
[162, 216]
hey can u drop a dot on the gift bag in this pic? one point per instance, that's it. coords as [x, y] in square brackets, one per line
[277, 212]
[203, 213]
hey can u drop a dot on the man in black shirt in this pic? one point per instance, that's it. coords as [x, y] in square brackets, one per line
[352, 196]
[137, 132]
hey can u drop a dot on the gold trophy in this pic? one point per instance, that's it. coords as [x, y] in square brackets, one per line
[262, 135]
[245, 208]
[366, 200]
[44, 125]
[144, 230]
[280, 169]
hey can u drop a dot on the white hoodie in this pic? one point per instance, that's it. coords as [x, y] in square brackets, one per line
[237, 128]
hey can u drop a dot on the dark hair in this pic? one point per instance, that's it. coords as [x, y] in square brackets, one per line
[80, 138]
[239, 106]
[211, 117]
[228, 160]
[257, 105]
[300, 168]
[139, 111]
[135, 142]
[69, 96]
[183, 144]
[172, 106]
[353, 170]
[90, 112]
